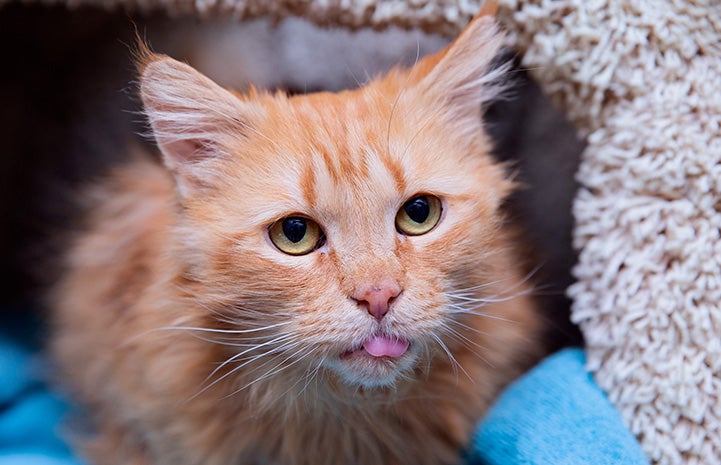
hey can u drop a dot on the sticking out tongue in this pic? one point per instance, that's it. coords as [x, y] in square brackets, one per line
[384, 346]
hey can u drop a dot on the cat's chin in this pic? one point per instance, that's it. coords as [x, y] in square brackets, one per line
[377, 363]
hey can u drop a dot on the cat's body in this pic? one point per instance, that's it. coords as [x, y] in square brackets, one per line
[322, 279]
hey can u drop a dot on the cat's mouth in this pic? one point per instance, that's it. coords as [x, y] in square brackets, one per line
[376, 362]
[379, 346]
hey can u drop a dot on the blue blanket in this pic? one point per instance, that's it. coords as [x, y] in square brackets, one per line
[554, 415]
[29, 412]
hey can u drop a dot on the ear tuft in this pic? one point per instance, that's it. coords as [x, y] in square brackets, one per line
[190, 115]
[464, 76]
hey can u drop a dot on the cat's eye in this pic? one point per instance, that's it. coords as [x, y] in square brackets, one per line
[296, 235]
[418, 215]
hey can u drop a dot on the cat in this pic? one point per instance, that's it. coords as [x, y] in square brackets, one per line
[312, 279]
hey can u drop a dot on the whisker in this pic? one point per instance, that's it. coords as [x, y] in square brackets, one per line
[493, 299]
[470, 328]
[287, 345]
[307, 377]
[192, 329]
[398, 97]
[390, 119]
[312, 375]
[468, 310]
[427, 351]
[357, 81]
[454, 363]
[465, 341]
[223, 331]
[282, 338]
[480, 286]
[465, 302]
[518, 283]
[432, 117]
[491, 337]
[273, 371]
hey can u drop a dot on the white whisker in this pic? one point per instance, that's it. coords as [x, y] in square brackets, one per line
[469, 328]
[194, 329]
[284, 338]
[223, 331]
[273, 371]
[466, 341]
[468, 309]
[288, 345]
[308, 377]
[312, 375]
[454, 363]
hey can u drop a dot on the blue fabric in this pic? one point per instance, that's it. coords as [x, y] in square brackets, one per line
[555, 414]
[29, 412]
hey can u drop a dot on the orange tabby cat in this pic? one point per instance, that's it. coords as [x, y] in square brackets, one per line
[317, 279]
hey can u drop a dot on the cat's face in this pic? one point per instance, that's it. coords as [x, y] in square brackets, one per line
[337, 230]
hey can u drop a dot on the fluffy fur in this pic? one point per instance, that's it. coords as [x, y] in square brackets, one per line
[193, 340]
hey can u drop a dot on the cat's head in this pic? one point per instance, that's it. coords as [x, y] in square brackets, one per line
[337, 232]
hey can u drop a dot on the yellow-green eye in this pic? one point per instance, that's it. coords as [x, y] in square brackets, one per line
[418, 215]
[296, 235]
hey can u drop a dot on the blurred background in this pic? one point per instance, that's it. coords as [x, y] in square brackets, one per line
[68, 107]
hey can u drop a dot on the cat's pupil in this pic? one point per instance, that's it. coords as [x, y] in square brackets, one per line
[294, 228]
[418, 209]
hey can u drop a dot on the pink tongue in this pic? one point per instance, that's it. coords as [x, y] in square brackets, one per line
[383, 346]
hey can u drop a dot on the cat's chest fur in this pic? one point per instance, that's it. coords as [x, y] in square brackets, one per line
[322, 279]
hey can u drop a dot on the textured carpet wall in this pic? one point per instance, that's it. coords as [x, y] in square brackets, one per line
[641, 81]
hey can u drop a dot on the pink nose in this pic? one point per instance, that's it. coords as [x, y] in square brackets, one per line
[377, 297]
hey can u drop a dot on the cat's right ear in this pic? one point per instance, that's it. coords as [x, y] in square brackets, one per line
[193, 119]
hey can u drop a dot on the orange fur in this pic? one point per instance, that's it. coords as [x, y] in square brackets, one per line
[175, 275]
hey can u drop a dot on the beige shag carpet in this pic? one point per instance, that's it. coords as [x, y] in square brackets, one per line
[641, 81]
[445, 17]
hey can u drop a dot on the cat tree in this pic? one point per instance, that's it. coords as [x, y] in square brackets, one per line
[640, 81]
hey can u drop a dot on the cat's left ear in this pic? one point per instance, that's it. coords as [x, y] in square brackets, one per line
[462, 77]
[193, 119]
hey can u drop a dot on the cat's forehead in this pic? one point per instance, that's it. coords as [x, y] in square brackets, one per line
[338, 155]
[364, 142]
